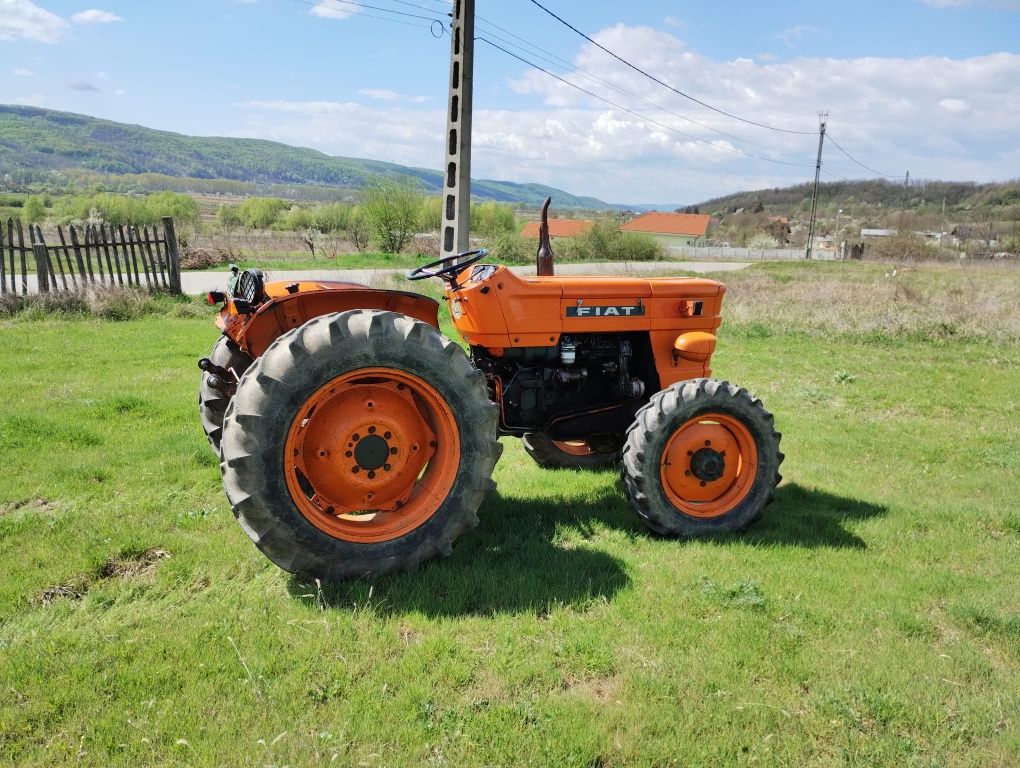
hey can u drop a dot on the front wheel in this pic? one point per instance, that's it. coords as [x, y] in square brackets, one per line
[361, 463]
[702, 457]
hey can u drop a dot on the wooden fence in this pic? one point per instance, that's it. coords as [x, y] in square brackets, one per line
[89, 256]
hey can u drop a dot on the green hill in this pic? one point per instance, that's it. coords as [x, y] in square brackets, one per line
[921, 195]
[41, 140]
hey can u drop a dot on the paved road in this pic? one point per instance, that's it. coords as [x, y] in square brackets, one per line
[200, 282]
[197, 283]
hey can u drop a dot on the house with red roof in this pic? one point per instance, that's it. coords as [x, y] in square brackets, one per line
[672, 229]
[557, 228]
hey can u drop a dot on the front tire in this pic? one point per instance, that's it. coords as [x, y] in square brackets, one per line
[358, 464]
[702, 457]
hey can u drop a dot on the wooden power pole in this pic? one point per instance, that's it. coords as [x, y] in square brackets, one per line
[903, 202]
[457, 186]
[818, 177]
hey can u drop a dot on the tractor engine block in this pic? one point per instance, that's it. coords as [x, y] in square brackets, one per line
[538, 387]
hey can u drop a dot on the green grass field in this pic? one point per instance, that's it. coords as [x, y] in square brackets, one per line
[871, 619]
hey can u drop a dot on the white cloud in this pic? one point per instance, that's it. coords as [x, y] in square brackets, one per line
[22, 72]
[24, 20]
[955, 106]
[329, 9]
[82, 85]
[1009, 5]
[382, 94]
[894, 114]
[95, 16]
[793, 34]
[385, 94]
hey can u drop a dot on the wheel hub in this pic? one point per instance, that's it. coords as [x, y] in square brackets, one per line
[372, 452]
[708, 465]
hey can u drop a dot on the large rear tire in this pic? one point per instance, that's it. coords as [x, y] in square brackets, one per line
[575, 454]
[358, 464]
[212, 403]
[702, 457]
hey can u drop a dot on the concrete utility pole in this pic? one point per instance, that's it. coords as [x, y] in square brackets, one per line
[457, 188]
[818, 176]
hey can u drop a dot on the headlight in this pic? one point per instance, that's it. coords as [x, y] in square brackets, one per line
[251, 287]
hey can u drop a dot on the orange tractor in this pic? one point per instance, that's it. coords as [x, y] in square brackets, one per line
[355, 439]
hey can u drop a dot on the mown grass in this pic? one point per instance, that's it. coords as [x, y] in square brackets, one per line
[871, 619]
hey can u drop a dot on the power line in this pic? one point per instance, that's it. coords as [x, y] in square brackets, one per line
[834, 176]
[558, 61]
[663, 83]
[638, 114]
[865, 167]
[375, 8]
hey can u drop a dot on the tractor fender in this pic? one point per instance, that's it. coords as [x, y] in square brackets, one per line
[254, 333]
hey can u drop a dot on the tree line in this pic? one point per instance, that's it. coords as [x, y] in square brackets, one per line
[389, 214]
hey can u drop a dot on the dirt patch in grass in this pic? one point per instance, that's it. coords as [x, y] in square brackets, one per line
[40, 505]
[135, 566]
[601, 689]
[73, 591]
[121, 567]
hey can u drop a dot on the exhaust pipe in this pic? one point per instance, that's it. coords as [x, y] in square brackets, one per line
[545, 251]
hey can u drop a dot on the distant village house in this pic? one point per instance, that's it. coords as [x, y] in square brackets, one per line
[557, 228]
[672, 230]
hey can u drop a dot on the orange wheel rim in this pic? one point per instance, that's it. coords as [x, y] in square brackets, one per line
[709, 464]
[574, 447]
[372, 455]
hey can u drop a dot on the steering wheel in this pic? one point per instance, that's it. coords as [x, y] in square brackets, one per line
[448, 268]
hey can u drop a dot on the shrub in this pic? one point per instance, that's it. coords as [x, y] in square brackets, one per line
[332, 219]
[491, 218]
[906, 245]
[34, 210]
[512, 248]
[229, 216]
[299, 219]
[761, 241]
[261, 212]
[181, 208]
[392, 209]
[605, 242]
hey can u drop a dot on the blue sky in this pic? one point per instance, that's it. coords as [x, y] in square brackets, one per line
[930, 86]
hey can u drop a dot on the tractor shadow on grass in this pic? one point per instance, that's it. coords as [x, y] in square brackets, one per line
[514, 562]
[510, 563]
[806, 517]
